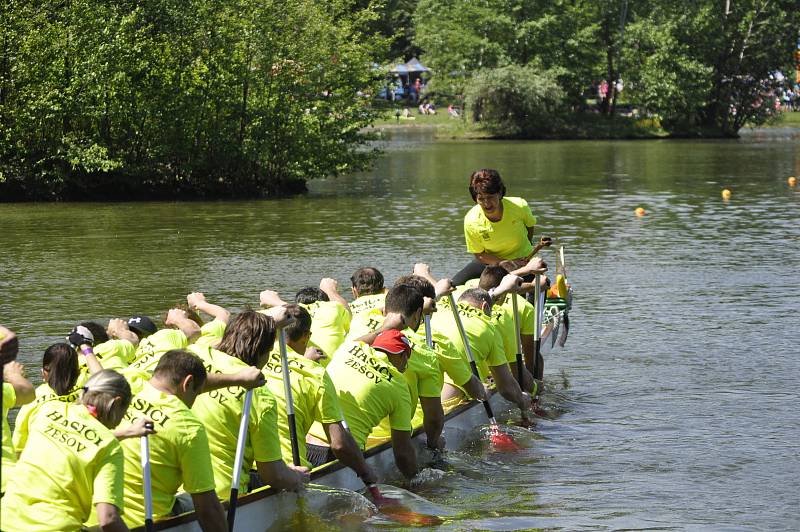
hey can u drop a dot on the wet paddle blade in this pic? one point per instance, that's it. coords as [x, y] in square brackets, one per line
[396, 511]
[503, 442]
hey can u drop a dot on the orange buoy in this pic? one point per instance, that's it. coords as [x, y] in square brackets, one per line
[639, 211]
[792, 181]
[726, 194]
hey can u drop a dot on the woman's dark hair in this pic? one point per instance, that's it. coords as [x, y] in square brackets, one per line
[97, 330]
[310, 294]
[486, 181]
[61, 362]
[248, 336]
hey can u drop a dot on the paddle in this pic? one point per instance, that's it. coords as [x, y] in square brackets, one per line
[520, 370]
[537, 341]
[237, 462]
[287, 391]
[499, 439]
[428, 334]
[148, 489]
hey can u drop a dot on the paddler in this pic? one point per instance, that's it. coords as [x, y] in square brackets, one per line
[179, 451]
[178, 333]
[247, 342]
[60, 373]
[17, 391]
[498, 230]
[368, 376]
[330, 315]
[368, 290]
[73, 462]
[314, 399]
[423, 374]
[474, 306]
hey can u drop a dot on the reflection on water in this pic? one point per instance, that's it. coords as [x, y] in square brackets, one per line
[682, 360]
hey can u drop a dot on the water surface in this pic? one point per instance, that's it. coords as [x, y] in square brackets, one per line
[676, 395]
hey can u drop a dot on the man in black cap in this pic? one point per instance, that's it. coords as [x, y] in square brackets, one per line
[142, 326]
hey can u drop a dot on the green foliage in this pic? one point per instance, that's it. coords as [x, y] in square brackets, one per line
[516, 101]
[701, 66]
[175, 97]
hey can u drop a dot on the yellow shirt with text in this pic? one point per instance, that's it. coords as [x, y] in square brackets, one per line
[151, 349]
[220, 411]
[313, 395]
[70, 463]
[483, 337]
[26, 414]
[367, 303]
[370, 388]
[179, 454]
[507, 238]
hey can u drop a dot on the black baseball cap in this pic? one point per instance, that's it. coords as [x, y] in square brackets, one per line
[142, 326]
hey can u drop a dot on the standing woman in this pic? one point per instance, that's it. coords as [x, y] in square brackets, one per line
[498, 229]
[72, 462]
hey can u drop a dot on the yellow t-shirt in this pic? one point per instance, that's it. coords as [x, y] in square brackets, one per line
[179, 454]
[330, 322]
[424, 378]
[152, 348]
[221, 412]
[27, 413]
[211, 333]
[506, 239]
[483, 337]
[370, 388]
[71, 463]
[313, 395]
[113, 354]
[526, 312]
[9, 456]
[364, 323]
[367, 303]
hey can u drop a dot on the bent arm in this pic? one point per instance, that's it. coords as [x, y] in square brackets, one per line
[330, 287]
[404, 455]
[346, 450]
[197, 301]
[508, 386]
[474, 387]
[13, 373]
[109, 519]
[433, 420]
[210, 513]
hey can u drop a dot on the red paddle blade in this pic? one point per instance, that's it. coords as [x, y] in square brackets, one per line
[503, 442]
[394, 510]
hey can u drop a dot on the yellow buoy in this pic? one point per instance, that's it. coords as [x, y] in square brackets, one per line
[726, 194]
[792, 181]
[639, 211]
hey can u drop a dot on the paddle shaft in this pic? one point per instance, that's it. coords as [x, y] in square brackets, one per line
[237, 462]
[520, 370]
[428, 333]
[287, 391]
[148, 488]
[468, 348]
[537, 341]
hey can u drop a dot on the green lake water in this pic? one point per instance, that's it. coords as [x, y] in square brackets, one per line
[674, 400]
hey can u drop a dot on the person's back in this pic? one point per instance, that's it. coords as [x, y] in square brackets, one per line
[313, 394]
[330, 322]
[370, 388]
[368, 290]
[70, 463]
[220, 411]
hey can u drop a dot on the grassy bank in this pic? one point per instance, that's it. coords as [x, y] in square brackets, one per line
[579, 126]
[790, 119]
